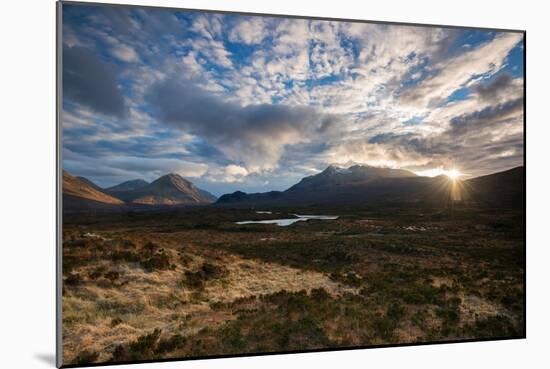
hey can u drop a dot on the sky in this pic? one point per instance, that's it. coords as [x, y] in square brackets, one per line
[251, 103]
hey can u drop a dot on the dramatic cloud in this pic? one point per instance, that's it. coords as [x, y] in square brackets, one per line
[256, 103]
[500, 88]
[491, 116]
[89, 81]
[455, 73]
[249, 31]
[254, 134]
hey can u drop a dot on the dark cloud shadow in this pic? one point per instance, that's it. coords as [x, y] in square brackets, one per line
[90, 81]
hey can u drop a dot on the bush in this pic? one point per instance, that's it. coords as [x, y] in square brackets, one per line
[145, 346]
[319, 295]
[170, 344]
[120, 353]
[207, 271]
[384, 326]
[115, 321]
[125, 255]
[96, 273]
[156, 262]
[350, 278]
[86, 357]
[423, 294]
[112, 275]
[395, 312]
[150, 248]
[73, 279]
[496, 326]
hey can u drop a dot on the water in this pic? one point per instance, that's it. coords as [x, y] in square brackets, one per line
[283, 222]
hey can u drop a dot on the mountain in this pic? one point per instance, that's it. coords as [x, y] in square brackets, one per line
[239, 197]
[128, 185]
[337, 186]
[503, 188]
[334, 177]
[171, 189]
[90, 183]
[81, 194]
[361, 185]
[124, 190]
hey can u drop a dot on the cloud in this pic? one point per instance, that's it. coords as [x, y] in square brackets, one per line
[111, 170]
[235, 170]
[491, 116]
[249, 31]
[125, 53]
[474, 141]
[498, 89]
[255, 100]
[90, 81]
[213, 51]
[209, 26]
[254, 134]
[456, 72]
[229, 174]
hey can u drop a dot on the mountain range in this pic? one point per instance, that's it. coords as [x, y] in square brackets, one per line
[81, 194]
[365, 185]
[355, 185]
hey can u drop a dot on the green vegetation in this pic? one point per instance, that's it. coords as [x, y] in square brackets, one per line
[372, 277]
[197, 279]
[86, 357]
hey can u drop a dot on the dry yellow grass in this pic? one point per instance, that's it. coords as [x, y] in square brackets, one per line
[144, 300]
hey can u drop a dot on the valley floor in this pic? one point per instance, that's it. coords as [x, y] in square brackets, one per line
[192, 283]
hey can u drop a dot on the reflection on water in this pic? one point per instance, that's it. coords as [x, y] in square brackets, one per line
[283, 222]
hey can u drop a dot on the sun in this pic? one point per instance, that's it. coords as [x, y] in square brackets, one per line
[453, 174]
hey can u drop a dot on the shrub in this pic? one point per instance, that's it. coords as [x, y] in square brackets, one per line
[231, 336]
[350, 278]
[112, 275]
[144, 347]
[319, 295]
[125, 255]
[115, 321]
[150, 248]
[170, 344]
[159, 261]
[206, 272]
[96, 273]
[112, 307]
[73, 279]
[385, 325]
[193, 280]
[86, 357]
[495, 326]
[120, 353]
[395, 312]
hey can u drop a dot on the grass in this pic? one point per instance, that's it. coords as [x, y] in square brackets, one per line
[140, 286]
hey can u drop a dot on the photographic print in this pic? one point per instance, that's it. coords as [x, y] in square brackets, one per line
[239, 184]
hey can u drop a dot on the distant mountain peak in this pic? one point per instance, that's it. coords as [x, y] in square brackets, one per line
[79, 191]
[172, 175]
[130, 185]
[171, 189]
[175, 180]
[363, 184]
[336, 169]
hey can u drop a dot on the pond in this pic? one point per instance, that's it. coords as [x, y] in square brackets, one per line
[283, 222]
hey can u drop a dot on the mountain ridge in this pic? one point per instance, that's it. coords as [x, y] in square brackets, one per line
[79, 193]
[372, 185]
[171, 189]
